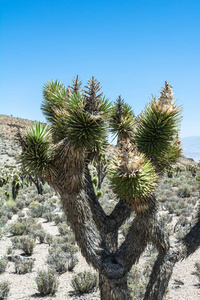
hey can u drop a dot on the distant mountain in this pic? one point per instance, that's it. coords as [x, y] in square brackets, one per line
[191, 147]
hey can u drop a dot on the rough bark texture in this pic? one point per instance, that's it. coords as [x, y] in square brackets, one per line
[97, 236]
[114, 289]
[165, 263]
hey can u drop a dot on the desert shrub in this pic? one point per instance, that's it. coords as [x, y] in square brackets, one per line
[23, 266]
[35, 210]
[20, 204]
[40, 234]
[57, 219]
[3, 264]
[6, 212]
[27, 244]
[48, 216]
[47, 282]
[58, 260]
[68, 247]
[136, 283]
[10, 250]
[4, 290]
[197, 177]
[84, 282]
[14, 209]
[21, 214]
[197, 273]
[72, 261]
[3, 221]
[49, 239]
[9, 215]
[31, 225]
[17, 228]
[63, 229]
[184, 191]
[182, 227]
[15, 242]
[40, 198]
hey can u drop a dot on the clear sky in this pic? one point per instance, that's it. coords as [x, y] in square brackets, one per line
[131, 47]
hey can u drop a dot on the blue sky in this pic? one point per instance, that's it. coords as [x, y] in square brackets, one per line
[131, 47]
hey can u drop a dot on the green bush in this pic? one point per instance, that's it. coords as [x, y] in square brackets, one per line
[4, 290]
[36, 210]
[17, 228]
[184, 192]
[58, 260]
[3, 264]
[63, 229]
[57, 219]
[84, 282]
[23, 266]
[47, 282]
[27, 244]
[71, 262]
[48, 216]
[136, 283]
[49, 239]
[40, 234]
[16, 242]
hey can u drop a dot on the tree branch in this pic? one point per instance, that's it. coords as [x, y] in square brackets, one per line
[88, 237]
[98, 213]
[165, 263]
[119, 215]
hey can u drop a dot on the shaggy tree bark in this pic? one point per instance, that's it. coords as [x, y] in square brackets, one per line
[165, 263]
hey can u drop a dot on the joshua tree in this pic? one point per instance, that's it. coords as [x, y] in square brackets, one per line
[16, 184]
[63, 150]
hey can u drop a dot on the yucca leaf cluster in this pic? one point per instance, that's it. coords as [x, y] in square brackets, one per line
[157, 129]
[122, 120]
[54, 98]
[37, 152]
[133, 176]
[80, 118]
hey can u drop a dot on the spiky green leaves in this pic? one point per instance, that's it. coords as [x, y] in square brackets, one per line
[55, 96]
[122, 120]
[86, 130]
[37, 152]
[157, 128]
[132, 176]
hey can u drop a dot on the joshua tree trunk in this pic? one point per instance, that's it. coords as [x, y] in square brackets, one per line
[114, 289]
[38, 183]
